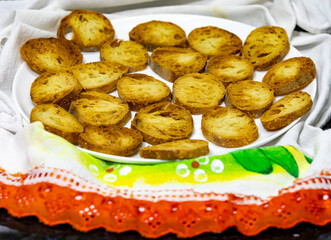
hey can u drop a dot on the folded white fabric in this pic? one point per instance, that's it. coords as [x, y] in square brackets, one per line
[13, 155]
[86, 4]
[7, 13]
[10, 118]
[22, 25]
[313, 16]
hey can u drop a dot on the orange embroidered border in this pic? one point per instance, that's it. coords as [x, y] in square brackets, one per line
[54, 204]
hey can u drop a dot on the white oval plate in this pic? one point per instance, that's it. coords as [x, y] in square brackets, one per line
[24, 78]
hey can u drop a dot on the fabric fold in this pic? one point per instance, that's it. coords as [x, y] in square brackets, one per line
[10, 118]
[313, 16]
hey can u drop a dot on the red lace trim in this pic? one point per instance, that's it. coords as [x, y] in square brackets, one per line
[54, 204]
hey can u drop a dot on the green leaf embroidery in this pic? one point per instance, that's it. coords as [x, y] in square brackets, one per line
[283, 158]
[253, 160]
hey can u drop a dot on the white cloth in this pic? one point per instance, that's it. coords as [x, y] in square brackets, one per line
[23, 20]
[10, 118]
[313, 16]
